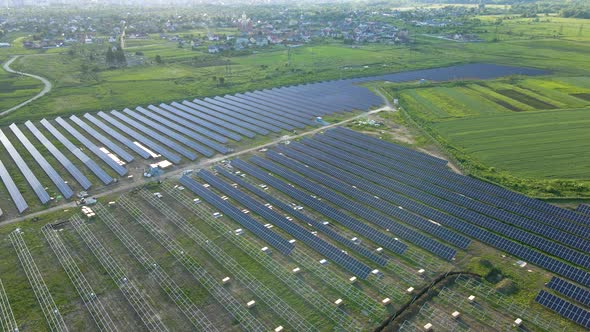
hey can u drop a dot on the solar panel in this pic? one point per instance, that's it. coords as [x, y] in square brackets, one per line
[372, 216]
[114, 134]
[15, 194]
[329, 251]
[453, 204]
[167, 131]
[188, 124]
[387, 146]
[203, 113]
[142, 139]
[93, 148]
[63, 160]
[201, 122]
[395, 181]
[262, 115]
[99, 172]
[583, 209]
[280, 100]
[25, 170]
[184, 130]
[367, 197]
[288, 114]
[417, 204]
[161, 139]
[301, 112]
[477, 201]
[43, 163]
[328, 211]
[238, 216]
[295, 96]
[570, 290]
[102, 139]
[564, 308]
[304, 218]
[247, 118]
[302, 101]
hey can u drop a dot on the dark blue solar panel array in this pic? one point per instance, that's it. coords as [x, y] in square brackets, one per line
[263, 116]
[386, 147]
[466, 185]
[47, 168]
[161, 139]
[450, 202]
[564, 308]
[238, 216]
[189, 124]
[300, 112]
[102, 139]
[220, 120]
[356, 208]
[570, 290]
[93, 148]
[367, 197]
[64, 161]
[484, 203]
[473, 230]
[583, 209]
[287, 114]
[328, 211]
[116, 135]
[15, 194]
[302, 217]
[281, 102]
[25, 170]
[251, 119]
[99, 172]
[142, 139]
[329, 251]
[167, 131]
[184, 130]
[179, 111]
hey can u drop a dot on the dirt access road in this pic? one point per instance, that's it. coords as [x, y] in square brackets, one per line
[46, 89]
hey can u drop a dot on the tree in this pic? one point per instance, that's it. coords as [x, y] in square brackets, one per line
[221, 81]
[158, 59]
[110, 57]
[120, 58]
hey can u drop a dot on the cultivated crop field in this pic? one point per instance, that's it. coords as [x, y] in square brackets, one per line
[514, 131]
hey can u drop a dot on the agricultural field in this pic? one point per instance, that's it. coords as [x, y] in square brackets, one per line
[527, 133]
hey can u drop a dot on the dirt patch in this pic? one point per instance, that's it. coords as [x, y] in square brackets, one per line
[534, 102]
[585, 96]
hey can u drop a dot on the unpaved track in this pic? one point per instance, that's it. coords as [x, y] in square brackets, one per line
[45, 81]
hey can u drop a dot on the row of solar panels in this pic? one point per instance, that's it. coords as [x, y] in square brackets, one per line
[173, 131]
[360, 173]
[273, 217]
[476, 189]
[293, 229]
[460, 205]
[566, 309]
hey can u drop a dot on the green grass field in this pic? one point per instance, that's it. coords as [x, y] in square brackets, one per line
[530, 134]
[14, 89]
[543, 144]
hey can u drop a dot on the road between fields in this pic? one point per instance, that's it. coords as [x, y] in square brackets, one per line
[46, 89]
[203, 164]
